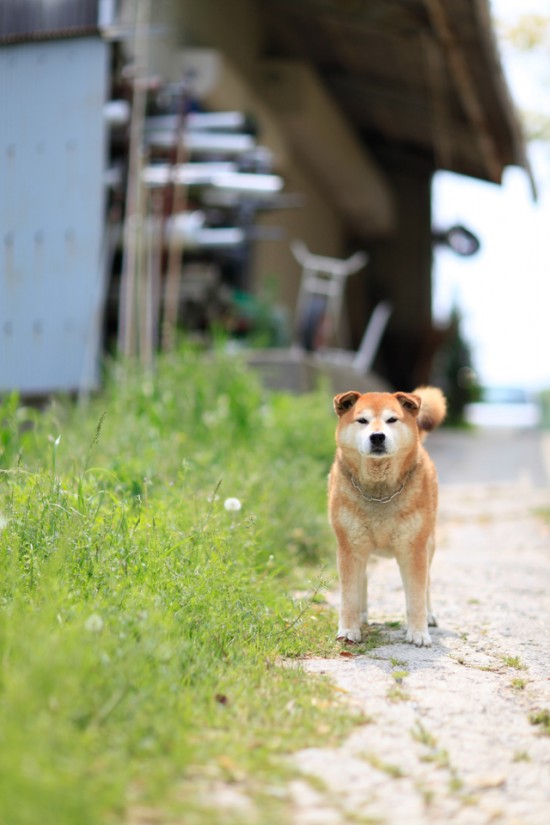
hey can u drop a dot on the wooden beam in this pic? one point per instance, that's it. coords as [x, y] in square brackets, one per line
[327, 144]
[440, 120]
[460, 72]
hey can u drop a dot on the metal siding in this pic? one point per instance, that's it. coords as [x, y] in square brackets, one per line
[32, 19]
[52, 160]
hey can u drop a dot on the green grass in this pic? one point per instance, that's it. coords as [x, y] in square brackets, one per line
[141, 623]
[543, 512]
[514, 662]
[393, 771]
[541, 719]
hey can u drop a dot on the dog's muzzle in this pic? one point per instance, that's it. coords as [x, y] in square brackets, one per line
[377, 443]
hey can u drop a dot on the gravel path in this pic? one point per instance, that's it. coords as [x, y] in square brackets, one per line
[449, 736]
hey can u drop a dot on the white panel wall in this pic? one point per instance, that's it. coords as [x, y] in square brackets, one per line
[52, 160]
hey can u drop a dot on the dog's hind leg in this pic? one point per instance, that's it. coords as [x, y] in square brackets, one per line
[363, 595]
[432, 621]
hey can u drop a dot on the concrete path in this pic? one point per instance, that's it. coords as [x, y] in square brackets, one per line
[451, 734]
[491, 456]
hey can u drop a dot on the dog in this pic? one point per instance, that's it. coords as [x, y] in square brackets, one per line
[383, 495]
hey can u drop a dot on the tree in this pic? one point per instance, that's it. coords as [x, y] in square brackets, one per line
[529, 35]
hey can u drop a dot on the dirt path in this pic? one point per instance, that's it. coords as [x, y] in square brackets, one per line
[450, 737]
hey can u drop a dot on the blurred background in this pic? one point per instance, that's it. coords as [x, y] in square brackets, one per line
[348, 188]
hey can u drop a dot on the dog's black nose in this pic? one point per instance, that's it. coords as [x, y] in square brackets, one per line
[377, 439]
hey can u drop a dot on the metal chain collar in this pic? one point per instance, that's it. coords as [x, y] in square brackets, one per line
[366, 496]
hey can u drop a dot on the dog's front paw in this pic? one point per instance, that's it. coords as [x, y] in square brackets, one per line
[420, 638]
[349, 634]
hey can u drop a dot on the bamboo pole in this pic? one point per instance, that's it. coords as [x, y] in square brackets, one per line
[133, 226]
[175, 240]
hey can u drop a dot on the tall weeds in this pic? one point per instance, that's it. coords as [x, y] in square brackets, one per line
[140, 619]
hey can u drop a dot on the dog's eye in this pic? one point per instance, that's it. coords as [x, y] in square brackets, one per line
[391, 420]
[361, 421]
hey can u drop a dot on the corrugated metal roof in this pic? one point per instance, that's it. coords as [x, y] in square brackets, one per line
[422, 73]
[22, 20]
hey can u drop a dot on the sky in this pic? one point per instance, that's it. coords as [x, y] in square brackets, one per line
[503, 292]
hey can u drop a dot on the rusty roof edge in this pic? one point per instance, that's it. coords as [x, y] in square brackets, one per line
[509, 112]
[52, 34]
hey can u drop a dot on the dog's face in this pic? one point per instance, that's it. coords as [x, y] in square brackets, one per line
[377, 424]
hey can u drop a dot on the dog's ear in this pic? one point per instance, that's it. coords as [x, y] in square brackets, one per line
[345, 401]
[409, 402]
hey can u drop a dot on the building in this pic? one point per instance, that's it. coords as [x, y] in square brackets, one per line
[361, 101]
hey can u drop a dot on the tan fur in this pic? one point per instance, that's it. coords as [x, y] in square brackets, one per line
[379, 455]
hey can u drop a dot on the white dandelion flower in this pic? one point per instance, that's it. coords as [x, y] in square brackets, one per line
[94, 623]
[232, 505]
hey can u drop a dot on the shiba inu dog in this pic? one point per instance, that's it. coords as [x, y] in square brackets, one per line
[383, 500]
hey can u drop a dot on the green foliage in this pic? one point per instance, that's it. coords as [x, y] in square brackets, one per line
[541, 719]
[529, 35]
[139, 619]
[454, 373]
[16, 422]
[545, 409]
[528, 32]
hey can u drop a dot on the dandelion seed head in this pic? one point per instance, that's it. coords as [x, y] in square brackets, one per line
[94, 623]
[232, 504]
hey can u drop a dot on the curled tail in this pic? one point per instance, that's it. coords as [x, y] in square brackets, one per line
[433, 409]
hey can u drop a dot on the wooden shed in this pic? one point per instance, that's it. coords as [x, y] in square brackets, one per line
[359, 102]
[421, 84]
[362, 102]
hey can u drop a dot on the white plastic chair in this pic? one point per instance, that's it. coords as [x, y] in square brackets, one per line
[362, 360]
[321, 293]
